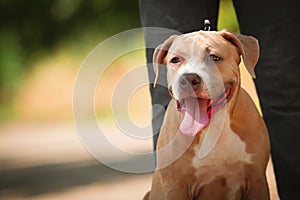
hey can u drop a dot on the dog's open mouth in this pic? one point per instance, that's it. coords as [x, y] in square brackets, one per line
[198, 111]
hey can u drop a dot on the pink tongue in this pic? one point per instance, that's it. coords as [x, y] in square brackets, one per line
[195, 116]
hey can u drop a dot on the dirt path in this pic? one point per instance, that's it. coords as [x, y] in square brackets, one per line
[48, 161]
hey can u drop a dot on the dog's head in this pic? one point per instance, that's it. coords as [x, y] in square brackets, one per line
[203, 72]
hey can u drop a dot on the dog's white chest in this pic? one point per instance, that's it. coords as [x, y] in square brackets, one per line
[228, 148]
[226, 158]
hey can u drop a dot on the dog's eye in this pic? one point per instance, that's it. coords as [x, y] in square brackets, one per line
[175, 60]
[214, 58]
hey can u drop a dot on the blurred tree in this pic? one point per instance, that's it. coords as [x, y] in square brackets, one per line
[32, 28]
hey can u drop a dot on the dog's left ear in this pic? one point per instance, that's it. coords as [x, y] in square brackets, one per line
[248, 47]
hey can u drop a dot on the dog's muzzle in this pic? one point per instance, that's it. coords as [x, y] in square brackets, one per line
[196, 105]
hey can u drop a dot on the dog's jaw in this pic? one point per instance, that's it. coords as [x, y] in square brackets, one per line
[197, 112]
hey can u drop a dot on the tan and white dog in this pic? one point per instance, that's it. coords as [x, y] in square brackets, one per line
[213, 143]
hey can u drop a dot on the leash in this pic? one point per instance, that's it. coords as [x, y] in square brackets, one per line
[206, 25]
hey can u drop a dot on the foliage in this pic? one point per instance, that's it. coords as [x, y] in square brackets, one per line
[30, 29]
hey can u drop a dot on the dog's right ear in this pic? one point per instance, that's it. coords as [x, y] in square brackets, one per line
[248, 46]
[158, 57]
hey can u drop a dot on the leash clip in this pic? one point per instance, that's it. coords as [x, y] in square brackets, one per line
[206, 25]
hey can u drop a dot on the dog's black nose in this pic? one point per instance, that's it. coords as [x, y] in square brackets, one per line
[191, 79]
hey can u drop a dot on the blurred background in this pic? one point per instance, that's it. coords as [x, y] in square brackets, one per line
[42, 46]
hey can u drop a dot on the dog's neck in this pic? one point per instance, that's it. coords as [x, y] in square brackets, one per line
[219, 138]
[219, 123]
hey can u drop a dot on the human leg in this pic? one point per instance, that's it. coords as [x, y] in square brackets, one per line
[181, 17]
[275, 24]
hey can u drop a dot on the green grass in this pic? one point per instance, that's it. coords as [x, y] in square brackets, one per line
[227, 17]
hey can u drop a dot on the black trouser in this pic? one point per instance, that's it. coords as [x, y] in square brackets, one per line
[276, 24]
